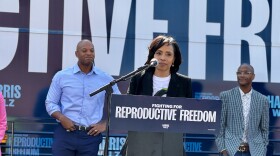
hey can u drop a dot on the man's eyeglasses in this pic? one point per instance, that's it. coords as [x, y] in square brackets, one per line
[243, 73]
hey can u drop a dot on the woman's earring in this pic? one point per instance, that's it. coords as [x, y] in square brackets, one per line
[172, 65]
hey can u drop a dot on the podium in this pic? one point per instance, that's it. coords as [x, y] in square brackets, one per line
[165, 114]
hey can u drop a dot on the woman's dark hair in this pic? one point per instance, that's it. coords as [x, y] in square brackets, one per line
[158, 42]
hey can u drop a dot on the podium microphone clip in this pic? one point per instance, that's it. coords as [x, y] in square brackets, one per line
[153, 62]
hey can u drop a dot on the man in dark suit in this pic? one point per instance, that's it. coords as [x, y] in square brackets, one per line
[244, 119]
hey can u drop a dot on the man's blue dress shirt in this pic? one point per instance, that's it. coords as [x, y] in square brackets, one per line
[69, 94]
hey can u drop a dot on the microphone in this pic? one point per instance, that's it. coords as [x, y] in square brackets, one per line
[153, 62]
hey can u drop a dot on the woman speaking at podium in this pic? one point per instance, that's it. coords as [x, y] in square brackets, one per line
[162, 80]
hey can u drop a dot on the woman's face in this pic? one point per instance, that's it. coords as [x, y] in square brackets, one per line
[165, 56]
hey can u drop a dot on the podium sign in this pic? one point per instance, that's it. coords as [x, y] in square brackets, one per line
[165, 114]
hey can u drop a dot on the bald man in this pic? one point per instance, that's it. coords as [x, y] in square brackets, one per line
[245, 118]
[79, 116]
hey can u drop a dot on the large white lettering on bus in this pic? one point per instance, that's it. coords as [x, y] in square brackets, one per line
[8, 35]
[145, 26]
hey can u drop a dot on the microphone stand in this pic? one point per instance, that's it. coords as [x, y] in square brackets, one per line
[108, 95]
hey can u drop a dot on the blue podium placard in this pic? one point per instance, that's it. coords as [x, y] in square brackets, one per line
[165, 114]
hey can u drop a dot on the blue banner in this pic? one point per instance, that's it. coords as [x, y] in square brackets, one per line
[165, 114]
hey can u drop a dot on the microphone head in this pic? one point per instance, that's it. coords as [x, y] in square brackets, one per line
[153, 62]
